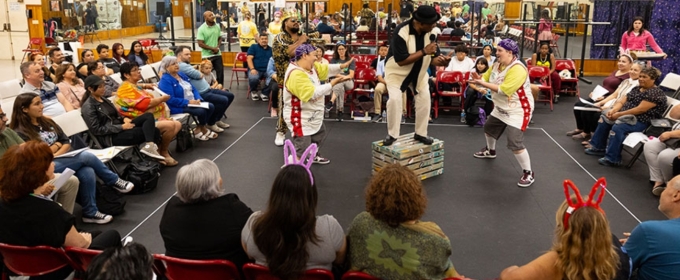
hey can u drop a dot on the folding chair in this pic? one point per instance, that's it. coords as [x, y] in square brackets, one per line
[672, 82]
[243, 58]
[33, 261]
[569, 85]
[457, 82]
[542, 74]
[10, 88]
[80, 257]
[148, 74]
[116, 77]
[553, 44]
[178, 269]
[364, 83]
[258, 272]
[30, 49]
[670, 103]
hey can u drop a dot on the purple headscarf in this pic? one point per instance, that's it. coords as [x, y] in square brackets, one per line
[509, 45]
[303, 49]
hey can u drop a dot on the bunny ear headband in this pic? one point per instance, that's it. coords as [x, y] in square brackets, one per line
[306, 160]
[594, 202]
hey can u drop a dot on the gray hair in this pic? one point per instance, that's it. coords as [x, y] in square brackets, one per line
[198, 181]
[24, 67]
[167, 61]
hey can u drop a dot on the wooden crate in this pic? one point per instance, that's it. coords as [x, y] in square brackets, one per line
[425, 160]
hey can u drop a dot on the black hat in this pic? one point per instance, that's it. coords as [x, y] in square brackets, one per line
[93, 81]
[426, 14]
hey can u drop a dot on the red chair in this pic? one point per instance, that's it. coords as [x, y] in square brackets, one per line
[364, 83]
[259, 272]
[569, 85]
[457, 80]
[81, 257]
[362, 65]
[542, 74]
[553, 44]
[243, 58]
[358, 275]
[177, 269]
[328, 57]
[29, 49]
[33, 261]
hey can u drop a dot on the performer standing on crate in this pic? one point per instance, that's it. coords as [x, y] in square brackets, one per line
[283, 49]
[412, 51]
[508, 83]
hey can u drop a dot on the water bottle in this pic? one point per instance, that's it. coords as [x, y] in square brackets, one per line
[462, 117]
[384, 115]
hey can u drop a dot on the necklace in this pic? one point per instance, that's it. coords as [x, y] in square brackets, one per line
[543, 60]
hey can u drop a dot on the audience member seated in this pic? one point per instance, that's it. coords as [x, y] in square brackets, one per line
[632, 113]
[545, 58]
[473, 92]
[583, 248]
[287, 236]
[324, 28]
[654, 246]
[118, 53]
[258, 58]
[66, 195]
[56, 58]
[30, 124]
[110, 86]
[219, 98]
[40, 59]
[462, 63]
[70, 85]
[111, 129]
[457, 30]
[130, 262]
[137, 54]
[183, 95]
[487, 54]
[27, 218]
[362, 26]
[86, 56]
[206, 69]
[342, 56]
[395, 201]
[202, 221]
[449, 27]
[381, 86]
[133, 102]
[111, 64]
[53, 100]
[586, 120]
[660, 153]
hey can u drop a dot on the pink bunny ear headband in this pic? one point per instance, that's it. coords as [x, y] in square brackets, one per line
[306, 160]
[594, 202]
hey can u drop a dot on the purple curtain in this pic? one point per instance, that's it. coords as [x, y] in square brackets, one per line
[665, 26]
[620, 14]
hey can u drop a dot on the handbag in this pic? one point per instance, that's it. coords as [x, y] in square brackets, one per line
[672, 143]
[144, 174]
[184, 141]
[658, 126]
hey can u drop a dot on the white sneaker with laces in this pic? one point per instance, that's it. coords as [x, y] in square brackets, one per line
[151, 150]
[264, 97]
[526, 180]
[98, 218]
[254, 96]
[123, 186]
[280, 137]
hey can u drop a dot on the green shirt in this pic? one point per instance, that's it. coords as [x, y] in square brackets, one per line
[485, 12]
[466, 9]
[210, 35]
[8, 138]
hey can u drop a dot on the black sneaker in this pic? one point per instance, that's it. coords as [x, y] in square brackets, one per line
[423, 139]
[98, 218]
[329, 106]
[389, 140]
[123, 186]
[339, 116]
[485, 153]
[526, 180]
[376, 118]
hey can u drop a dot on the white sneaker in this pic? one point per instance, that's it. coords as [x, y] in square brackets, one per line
[215, 128]
[264, 97]
[254, 96]
[222, 124]
[98, 218]
[280, 137]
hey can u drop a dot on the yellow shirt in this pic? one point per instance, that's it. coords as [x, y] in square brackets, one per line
[247, 30]
[274, 28]
[513, 80]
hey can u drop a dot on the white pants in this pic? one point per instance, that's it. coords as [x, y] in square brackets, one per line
[380, 90]
[660, 160]
[395, 108]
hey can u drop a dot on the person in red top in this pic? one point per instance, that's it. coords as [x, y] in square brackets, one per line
[637, 38]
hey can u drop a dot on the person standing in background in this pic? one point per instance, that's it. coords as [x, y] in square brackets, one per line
[209, 40]
[406, 10]
[246, 32]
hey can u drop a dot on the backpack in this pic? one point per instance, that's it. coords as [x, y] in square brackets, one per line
[144, 174]
[475, 116]
[109, 201]
[184, 141]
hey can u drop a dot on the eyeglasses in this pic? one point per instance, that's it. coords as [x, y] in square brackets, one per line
[293, 20]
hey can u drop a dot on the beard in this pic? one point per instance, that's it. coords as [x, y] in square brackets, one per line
[294, 30]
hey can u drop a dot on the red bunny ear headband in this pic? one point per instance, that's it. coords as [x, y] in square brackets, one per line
[594, 202]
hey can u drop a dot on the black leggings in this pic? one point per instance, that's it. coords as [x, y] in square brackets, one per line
[274, 95]
[144, 131]
[586, 120]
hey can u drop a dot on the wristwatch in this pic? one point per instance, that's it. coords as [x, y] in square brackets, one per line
[424, 53]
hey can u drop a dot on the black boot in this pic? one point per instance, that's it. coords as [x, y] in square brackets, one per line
[389, 140]
[423, 139]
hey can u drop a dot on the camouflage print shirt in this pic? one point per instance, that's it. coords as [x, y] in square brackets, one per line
[280, 53]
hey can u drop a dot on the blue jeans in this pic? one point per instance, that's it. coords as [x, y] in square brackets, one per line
[615, 134]
[221, 99]
[87, 166]
[254, 81]
[202, 115]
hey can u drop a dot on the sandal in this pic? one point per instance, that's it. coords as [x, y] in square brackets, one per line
[211, 134]
[170, 162]
[201, 136]
[574, 132]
